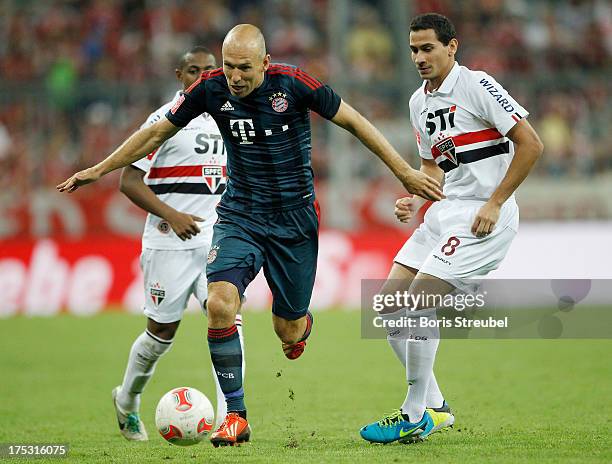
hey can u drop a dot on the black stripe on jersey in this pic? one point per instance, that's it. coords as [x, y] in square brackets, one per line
[195, 189]
[478, 154]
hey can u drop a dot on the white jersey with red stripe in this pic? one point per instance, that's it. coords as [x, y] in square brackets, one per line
[186, 172]
[462, 126]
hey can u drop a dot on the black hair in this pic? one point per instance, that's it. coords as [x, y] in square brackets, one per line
[197, 49]
[442, 26]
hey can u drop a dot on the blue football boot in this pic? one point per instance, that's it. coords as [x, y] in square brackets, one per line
[394, 427]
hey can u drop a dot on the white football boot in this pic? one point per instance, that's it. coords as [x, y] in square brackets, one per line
[130, 425]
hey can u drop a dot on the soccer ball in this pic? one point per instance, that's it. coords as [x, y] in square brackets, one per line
[184, 416]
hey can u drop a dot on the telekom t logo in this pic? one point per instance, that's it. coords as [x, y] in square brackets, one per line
[181, 396]
[245, 127]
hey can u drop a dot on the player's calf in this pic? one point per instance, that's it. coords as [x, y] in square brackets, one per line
[144, 355]
[295, 350]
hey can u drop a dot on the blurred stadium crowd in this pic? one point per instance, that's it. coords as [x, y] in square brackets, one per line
[78, 76]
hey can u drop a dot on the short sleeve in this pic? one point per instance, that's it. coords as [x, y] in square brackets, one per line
[144, 164]
[316, 96]
[421, 139]
[493, 103]
[189, 105]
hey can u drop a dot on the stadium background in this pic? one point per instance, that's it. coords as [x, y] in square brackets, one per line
[78, 76]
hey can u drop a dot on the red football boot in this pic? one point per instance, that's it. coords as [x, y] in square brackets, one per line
[234, 430]
[294, 351]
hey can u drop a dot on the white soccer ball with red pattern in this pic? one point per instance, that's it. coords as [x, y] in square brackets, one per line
[184, 416]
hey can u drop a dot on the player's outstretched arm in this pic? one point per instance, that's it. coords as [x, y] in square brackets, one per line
[414, 181]
[527, 149]
[138, 145]
[132, 186]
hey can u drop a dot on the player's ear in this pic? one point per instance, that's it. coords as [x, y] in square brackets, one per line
[453, 44]
[266, 62]
[178, 73]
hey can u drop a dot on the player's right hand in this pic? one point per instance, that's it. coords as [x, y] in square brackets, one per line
[80, 178]
[184, 225]
[407, 207]
[421, 184]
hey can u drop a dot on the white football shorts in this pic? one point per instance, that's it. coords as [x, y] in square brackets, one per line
[170, 278]
[444, 246]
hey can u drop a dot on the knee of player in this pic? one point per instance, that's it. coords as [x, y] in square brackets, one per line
[220, 306]
[163, 331]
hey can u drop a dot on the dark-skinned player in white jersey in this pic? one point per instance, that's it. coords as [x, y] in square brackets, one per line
[179, 185]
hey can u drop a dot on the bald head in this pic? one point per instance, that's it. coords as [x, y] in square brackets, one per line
[245, 38]
[245, 60]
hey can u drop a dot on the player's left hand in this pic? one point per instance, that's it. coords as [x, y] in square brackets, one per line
[485, 220]
[80, 178]
[419, 183]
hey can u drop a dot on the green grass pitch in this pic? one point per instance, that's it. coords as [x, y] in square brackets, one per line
[514, 400]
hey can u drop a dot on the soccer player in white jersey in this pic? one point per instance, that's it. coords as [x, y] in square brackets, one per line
[475, 137]
[184, 181]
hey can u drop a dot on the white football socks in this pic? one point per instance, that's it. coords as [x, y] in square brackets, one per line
[221, 404]
[420, 354]
[434, 399]
[145, 352]
[399, 342]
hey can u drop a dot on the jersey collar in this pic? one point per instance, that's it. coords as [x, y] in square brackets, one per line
[448, 84]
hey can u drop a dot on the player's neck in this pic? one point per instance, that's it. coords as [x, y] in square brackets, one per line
[435, 84]
[263, 79]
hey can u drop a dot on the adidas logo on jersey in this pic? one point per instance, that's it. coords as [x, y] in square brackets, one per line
[227, 106]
